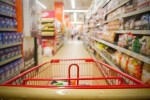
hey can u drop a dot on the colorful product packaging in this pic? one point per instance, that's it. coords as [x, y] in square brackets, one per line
[2, 77]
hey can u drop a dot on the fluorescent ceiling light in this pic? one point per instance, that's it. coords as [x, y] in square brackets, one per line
[75, 10]
[76, 22]
[73, 4]
[75, 17]
[39, 3]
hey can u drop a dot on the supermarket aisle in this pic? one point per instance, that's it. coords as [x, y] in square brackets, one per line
[72, 49]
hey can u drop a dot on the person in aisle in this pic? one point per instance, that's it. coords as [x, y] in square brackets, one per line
[73, 32]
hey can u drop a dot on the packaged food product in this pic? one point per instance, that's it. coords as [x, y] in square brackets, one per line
[145, 22]
[130, 6]
[138, 24]
[124, 61]
[146, 73]
[142, 4]
[117, 57]
[2, 76]
[145, 45]
[1, 38]
[122, 41]
[136, 45]
[134, 68]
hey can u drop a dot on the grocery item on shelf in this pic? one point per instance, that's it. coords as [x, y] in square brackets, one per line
[100, 46]
[112, 4]
[146, 73]
[117, 57]
[142, 4]
[8, 23]
[145, 45]
[48, 33]
[116, 13]
[109, 36]
[48, 20]
[10, 38]
[114, 25]
[2, 75]
[137, 22]
[48, 25]
[7, 9]
[130, 6]
[9, 69]
[125, 40]
[136, 45]
[135, 68]
[124, 61]
[8, 53]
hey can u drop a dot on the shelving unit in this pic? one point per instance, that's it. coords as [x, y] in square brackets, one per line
[10, 45]
[143, 10]
[134, 20]
[128, 52]
[16, 30]
[11, 76]
[105, 3]
[10, 60]
[142, 32]
[3, 14]
[103, 56]
[128, 14]
[8, 29]
[121, 4]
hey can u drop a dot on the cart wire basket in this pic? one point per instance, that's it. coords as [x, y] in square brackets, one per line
[74, 74]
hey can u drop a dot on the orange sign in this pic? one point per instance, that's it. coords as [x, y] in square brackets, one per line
[67, 21]
[59, 11]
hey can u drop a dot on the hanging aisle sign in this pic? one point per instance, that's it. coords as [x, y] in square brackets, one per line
[59, 11]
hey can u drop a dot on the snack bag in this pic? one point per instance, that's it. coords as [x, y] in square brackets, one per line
[146, 74]
[134, 68]
[123, 40]
[117, 57]
[145, 45]
[124, 61]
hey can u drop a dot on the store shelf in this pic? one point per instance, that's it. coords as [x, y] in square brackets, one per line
[104, 57]
[9, 60]
[146, 9]
[8, 2]
[11, 76]
[8, 29]
[112, 19]
[107, 1]
[10, 45]
[121, 4]
[128, 52]
[2, 14]
[129, 14]
[144, 32]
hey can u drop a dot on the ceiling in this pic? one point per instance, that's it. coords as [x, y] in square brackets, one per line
[79, 5]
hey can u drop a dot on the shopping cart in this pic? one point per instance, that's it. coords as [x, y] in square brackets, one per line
[75, 74]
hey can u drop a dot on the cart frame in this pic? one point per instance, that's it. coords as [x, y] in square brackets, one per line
[103, 68]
